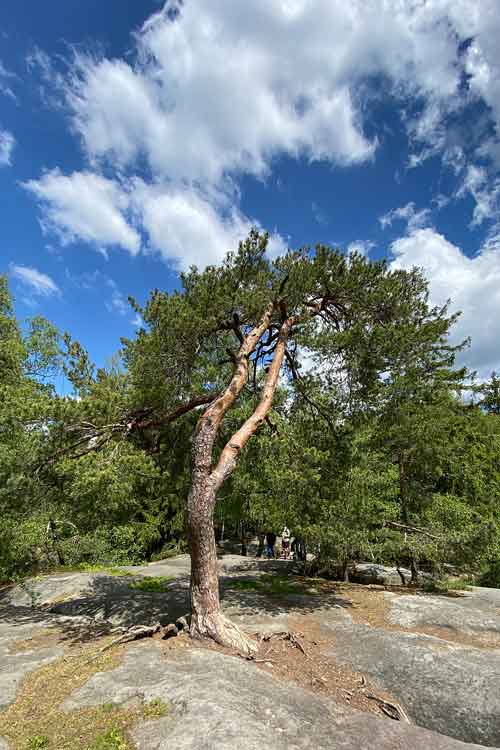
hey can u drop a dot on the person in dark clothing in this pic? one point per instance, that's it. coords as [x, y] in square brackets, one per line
[270, 542]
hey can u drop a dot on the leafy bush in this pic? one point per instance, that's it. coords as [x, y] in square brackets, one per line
[24, 549]
[115, 545]
[490, 575]
[442, 585]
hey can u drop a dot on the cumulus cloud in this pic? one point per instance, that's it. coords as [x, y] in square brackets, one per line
[7, 143]
[187, 228]
[39, 284]
[479, 22]
[473, 285]
[204, 98]
[216, 90]
[87, 207]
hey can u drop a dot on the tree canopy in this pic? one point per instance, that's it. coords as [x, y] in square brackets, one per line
[317, 389]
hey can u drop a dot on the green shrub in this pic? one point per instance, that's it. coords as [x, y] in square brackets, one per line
[115, 545]
[113, 739]
[442, 585]
[490, 575]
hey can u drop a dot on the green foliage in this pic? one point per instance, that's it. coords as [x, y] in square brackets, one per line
[444, 585]
[157, 584]
[37, 742]
[113, 739]
[274, 585]
[372, 453]
[490, 574]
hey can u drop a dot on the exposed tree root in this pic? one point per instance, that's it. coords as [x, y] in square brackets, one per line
[220, 629]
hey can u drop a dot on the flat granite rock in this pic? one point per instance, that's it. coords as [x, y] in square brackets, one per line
[222, 702]
[450, 688]
[127, 608]
[14, 666]
[457, 613]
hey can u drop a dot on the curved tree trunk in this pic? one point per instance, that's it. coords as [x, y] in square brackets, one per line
[207, 619]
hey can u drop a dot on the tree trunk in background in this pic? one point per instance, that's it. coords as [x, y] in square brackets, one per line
[403, 514]
[414, 570]
[346, 571]
[244, 550]
[260, 549]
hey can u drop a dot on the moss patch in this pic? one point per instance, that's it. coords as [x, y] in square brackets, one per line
[35, 721]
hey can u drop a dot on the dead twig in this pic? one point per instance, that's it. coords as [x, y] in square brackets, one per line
[284, 635]
[393, 710]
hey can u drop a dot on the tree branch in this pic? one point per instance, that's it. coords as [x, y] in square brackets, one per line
[229, 455]
[411, 529]
[297, 378]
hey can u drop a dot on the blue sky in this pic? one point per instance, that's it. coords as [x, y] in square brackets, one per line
[137, 138]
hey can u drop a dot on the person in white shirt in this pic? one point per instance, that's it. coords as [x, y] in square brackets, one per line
[285, 542]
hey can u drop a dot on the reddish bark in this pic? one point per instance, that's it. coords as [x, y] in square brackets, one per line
[207, 619]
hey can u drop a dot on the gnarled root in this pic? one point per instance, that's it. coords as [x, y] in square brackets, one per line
[219, 628]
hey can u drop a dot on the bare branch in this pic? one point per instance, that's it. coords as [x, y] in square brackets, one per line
[411, 529]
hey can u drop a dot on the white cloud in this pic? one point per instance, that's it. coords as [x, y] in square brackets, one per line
[473, 284]
[203, 98]
[484, 191]
[362, 247]
[6, 78]
[7, 143]
[85, 206]
[319, 215]
[414, 219]
[137, 321]
[117, 303]
[479, 22]
[215, 90]
[187, 228]
[38, 283]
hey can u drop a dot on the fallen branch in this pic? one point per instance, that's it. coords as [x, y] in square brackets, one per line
[134, 634]
[411, 529]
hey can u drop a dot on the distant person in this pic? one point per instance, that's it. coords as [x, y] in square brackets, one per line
[270, 542]
[285, 543]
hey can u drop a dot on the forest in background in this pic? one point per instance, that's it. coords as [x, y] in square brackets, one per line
[380, 449]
